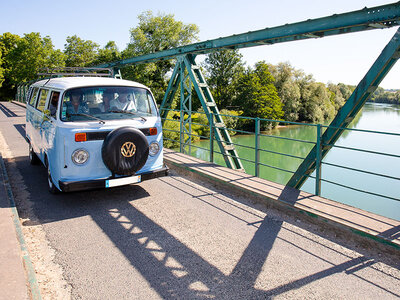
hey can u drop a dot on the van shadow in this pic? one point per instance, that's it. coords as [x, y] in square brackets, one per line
[171, 268]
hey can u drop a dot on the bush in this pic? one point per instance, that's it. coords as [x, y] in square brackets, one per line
[172, 127]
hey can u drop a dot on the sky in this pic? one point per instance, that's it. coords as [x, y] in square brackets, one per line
[335, 59]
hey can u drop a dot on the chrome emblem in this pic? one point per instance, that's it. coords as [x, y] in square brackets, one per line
[128, 149]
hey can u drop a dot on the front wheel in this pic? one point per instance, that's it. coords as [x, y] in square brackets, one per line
[52, 188]
[33, 158]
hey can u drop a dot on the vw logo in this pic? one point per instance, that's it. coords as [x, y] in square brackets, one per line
[128, 149]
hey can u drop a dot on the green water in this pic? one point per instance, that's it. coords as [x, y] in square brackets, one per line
[377, 117]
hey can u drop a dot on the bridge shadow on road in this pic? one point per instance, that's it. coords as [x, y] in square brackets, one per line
[8, 112]
[172, 268]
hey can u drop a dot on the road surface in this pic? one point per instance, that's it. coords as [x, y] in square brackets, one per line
[171, 238]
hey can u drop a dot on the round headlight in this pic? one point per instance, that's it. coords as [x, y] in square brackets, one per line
[80, 156]
[154, 147]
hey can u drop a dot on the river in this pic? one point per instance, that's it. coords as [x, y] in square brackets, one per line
[376, 117]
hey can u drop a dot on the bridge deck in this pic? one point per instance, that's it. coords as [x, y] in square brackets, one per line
[365, 223]
[177, 238]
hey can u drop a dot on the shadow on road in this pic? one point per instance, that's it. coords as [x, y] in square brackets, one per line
[171, 268]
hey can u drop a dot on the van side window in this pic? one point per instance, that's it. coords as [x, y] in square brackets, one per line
[33, 97]
[53, 103]
[42, 99]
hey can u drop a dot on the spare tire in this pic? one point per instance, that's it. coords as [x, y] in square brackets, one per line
[125, 150]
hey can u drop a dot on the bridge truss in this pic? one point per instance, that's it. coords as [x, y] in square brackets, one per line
[188, 76]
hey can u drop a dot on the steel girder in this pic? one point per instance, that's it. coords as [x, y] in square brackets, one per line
[366, 87]
[384, 16]
[186, 74]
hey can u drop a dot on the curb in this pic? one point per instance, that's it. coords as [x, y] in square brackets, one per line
[18, 103]
[30, 272]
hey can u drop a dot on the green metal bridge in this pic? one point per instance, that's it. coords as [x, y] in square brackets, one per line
[187, 76]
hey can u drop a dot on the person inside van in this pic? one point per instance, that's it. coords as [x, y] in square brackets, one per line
[53, 103]
[123, 102]
[105, 106]
[76, 105]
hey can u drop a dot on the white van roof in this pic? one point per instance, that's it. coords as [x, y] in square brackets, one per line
[64, 83]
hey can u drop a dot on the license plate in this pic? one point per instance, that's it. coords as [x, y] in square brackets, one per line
[123, 181]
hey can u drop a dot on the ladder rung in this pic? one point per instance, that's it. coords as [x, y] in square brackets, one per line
[229, 147]
[195, 67]
[210, 104]
[203, 85]
[219, 125]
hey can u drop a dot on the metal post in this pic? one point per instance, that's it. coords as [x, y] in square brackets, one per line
[189, 99]
[23, 94]
[318, 162]
[211, 137]
[181, 132]
[257, 147]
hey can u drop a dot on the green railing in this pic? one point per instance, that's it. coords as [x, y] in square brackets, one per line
[259, 153]
[22, 92]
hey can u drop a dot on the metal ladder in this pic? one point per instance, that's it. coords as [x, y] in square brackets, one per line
[219, 131]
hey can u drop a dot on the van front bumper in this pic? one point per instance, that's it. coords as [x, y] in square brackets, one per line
[72, 186]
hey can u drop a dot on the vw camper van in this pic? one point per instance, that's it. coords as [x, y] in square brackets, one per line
[94, 132]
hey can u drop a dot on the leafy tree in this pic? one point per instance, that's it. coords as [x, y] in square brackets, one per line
[336, 97]
[288, 89]
[257, 94]
[109, 53]
[23, 57]
[223, 70]
[8, 45]
[156, 33]
[39, 52]
[346, 90]
[1, 68]
[385, 96]
[316, 104]
[80, 53]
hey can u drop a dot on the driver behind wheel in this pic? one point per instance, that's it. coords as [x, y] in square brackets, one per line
[76, 105]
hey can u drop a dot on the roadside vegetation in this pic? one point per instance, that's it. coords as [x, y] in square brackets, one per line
[277, 92]
[382, 96]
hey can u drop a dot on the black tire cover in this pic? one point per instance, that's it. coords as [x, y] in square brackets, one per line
[112, 153]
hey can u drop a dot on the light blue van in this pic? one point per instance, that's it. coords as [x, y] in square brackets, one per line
[94, 132]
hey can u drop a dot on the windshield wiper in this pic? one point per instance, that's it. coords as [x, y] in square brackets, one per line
[128, 112]
[89, 116]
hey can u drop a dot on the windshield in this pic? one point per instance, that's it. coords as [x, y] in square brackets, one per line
[107, 103]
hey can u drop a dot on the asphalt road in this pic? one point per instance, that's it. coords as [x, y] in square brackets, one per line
[173, 238]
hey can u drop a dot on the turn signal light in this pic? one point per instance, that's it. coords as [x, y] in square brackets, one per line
[153, 131]
[80, 137]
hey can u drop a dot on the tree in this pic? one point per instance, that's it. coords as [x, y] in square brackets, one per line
[35, 53]
[346, 90]
[1, 67]
[257, 94]
[223, 70]
[336, 96]
[316, 104]
[8, 44]
[288, 89]
[80, 53]
[109, 53]
[156, 33]
[23, 57]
